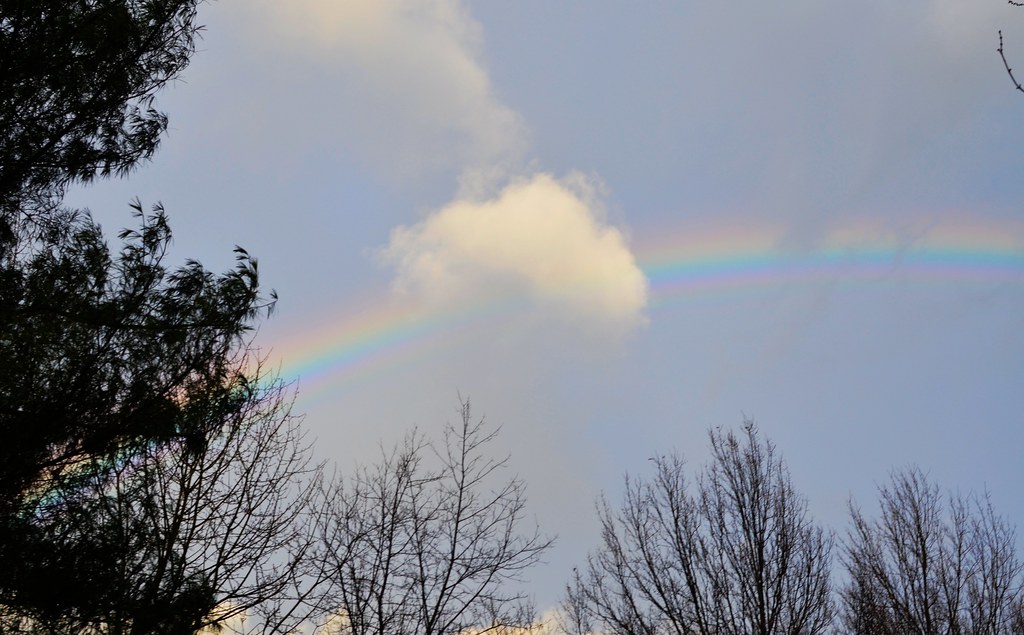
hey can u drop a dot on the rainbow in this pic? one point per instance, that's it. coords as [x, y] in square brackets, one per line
[685, 264]
[689, 264]
[380, 333]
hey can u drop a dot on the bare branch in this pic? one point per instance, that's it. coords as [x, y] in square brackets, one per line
[1006, 64]
[734, 554]
[930, 564]
[423, 551]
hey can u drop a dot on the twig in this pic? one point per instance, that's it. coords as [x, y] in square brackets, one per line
[1006, 64]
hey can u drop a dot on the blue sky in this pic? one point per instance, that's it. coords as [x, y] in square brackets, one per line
[474, 198]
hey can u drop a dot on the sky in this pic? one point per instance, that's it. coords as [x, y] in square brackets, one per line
[614, 226]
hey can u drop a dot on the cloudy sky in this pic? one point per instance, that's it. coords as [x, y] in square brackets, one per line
[615, 225]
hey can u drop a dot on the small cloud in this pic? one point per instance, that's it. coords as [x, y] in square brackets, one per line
[540, 240]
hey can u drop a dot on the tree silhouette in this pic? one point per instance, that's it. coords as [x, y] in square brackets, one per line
[99, 352]
[931, 564]
[148, 468]
[184, 535]
[736, 554]
[77, 87]
[152, 479]
[418, 551]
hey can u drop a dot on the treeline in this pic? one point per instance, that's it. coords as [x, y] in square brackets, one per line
[153, 479]
[734, 551]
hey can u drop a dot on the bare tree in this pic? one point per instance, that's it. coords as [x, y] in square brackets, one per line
[430, 551]
[736, 554]
[189, 534]
[1017, 616]
[931, 564]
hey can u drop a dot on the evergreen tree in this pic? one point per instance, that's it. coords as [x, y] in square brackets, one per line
[152, 479]
[78, 81]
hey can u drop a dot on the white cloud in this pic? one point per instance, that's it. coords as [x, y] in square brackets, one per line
[421, 101]
[232, 619]
[540, 240]
[405, 79]
[546, 624]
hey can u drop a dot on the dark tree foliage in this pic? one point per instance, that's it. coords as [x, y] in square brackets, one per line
[77, 85]
[734, 555]
[92, 346]
[152, 479]
[931, 564]
[98, 352]
[106, 361]
[181, 536]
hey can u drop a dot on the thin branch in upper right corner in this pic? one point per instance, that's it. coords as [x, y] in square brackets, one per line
[1002, 54]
